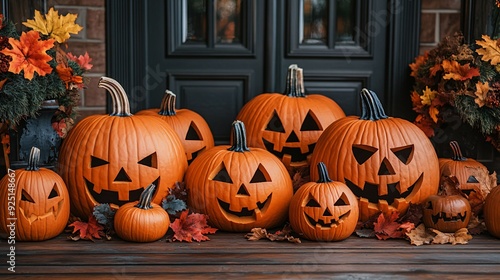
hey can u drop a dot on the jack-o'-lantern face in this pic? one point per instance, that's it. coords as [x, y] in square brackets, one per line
[326, 217]
[446, 213]
[44, 205]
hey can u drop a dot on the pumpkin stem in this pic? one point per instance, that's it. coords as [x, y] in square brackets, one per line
[34, 159]
[371, 108]
[323, 173]
[239, 139]
[457, 153]
[146, 197]
[294, 82]
[121, 106]
[168, 104]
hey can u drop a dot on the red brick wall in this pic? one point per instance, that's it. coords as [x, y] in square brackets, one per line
[439, 19]
[91, 16]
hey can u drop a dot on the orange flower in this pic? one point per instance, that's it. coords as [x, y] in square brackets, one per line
[29, 54]
[66, 74]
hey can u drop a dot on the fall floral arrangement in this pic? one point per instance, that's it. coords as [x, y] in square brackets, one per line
[463, 78]
[34, 67]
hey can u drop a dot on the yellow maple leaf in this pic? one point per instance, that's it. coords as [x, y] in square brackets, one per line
[490, 51]
[481, 93]
[458, 72]
[428, 96]
[54, 25]
[434, 112]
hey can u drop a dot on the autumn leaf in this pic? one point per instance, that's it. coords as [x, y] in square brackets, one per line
[482, 90]
[387, 226]
[189, 227]
[83, 60]
[461, 236]
[29, 54]
[455, 71]
[2, 82]
[86, 231]
[489, 51]
[54, 25]
[427, 96]
[434, 69]
[420, 236]
[66, 75]
[280, 235]
[418, 62]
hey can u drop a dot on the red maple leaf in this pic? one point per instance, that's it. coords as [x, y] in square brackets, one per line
[387, 226]
[189, 227]
[82, 60]
[87, 231]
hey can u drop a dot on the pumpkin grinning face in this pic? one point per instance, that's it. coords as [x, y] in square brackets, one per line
[33, 210]
[327, 219]
[446, 213]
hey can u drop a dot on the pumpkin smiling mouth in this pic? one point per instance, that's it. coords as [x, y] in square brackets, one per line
[245, 212]
[111, 197]
[321, 223]
[370, 191]
[442, 216]
[295, 153]
[54, 211]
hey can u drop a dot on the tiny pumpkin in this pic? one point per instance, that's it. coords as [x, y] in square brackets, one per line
[325, 210]
[491, 212]
[41, 201]
[387, 162]
[288, 125]
[239, 188]
[191, 127]
[141, 221]
[446, 213]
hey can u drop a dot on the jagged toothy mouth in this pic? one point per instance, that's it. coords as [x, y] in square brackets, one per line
[54, 211]
[245, 212]
[323, 224]
[442, 216]
[295, 153]
[370, 191]
[111, 197]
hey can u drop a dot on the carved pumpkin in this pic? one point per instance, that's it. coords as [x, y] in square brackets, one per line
[469, 172]
[141, 221]
[288, 125]
[325, 210]
[237, 187]
[491, 212]
[387, 162]
[446, 213]
[39, 200]
[113, 158]
[191, 128]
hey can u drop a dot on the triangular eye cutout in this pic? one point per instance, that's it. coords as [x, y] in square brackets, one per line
[472, 179]
[150, 161]
[312, 202]
[193, 132]
[362, 152]
[95, 162]
[275, 124]
[260, 175]
[310, 123]
[53, 192]
[223, 175]
[404, 154]
[342, 201]
[26, 197]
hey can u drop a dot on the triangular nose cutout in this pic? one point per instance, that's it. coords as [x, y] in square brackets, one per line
[292, 138]
[386, 168]
[122, 176]
[243, 190]
[327, 213]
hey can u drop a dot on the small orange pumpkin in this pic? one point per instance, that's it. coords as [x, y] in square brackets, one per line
[325, 210]
[446, 213]
[387, 162]
[239, 188]
[141, 221]
[37, 198]
[288, 125]
[491, 212]
[191, 128]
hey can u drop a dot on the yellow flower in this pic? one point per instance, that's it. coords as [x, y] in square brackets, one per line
[54, 25]
[428, 96]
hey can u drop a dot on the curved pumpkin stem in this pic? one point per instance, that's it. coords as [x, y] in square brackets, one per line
[121, 106]
[371, 108]
[239, 139]
[323, 173]
[457, 153]
[34, 159]
[167, 107]
[294, 82]
[146, 197]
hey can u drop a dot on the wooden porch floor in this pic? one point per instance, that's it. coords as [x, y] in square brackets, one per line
[229, 255]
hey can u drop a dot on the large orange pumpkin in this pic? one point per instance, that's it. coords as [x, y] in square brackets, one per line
[36, 200]
[191, 128]
[113, 158]
[491, 212]
[387, 162]
[288, 125]
[325, 210]
[239, 188]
